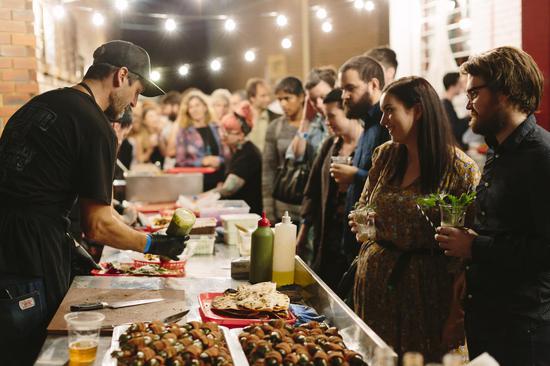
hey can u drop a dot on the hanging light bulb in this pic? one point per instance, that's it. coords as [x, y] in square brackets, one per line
[170, 25]
[250, 56]
[359, 4]
[121, 5]
[286, 43]
[369, 5]
[155, 75]
[327, 26]
[59, 11]
[321, 13]
[230, 25]
[465, 24]
[183, 70]
[281, 20]
[98, 19]
[215, 65]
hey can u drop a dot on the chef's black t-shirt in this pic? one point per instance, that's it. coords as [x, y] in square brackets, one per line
[246, 163]
[58, 146]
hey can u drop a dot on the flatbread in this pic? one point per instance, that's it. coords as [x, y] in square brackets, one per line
[261, 297]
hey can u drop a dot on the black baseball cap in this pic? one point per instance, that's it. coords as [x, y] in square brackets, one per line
[126, 54]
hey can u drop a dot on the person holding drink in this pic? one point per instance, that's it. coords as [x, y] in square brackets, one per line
[404, 284]
[508, 248]
[324, 198]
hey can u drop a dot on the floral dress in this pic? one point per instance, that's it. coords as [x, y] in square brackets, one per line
[404, 284]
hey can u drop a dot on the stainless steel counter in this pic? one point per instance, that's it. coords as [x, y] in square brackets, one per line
[212, 273]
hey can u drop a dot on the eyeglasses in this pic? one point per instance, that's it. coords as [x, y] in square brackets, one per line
[472, 93]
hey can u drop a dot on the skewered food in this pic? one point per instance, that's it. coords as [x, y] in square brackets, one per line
[279, 344]
[157, 344]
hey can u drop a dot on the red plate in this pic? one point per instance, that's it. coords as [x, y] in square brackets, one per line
[97, 272]
[207, 315]
[189, 169]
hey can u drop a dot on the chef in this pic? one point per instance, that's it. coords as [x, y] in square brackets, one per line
[58, 147]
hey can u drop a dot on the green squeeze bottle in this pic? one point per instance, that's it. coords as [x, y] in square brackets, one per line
[261, 254]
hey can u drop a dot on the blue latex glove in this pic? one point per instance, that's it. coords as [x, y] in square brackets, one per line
[305, 314]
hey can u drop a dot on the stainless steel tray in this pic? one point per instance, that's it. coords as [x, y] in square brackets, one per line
[162, 188]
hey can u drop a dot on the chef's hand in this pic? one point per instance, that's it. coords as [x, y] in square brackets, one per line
[343, 173]
[456, 242]
[165, 245]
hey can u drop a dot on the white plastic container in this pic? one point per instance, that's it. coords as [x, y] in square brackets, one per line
[201, 244]
[248, 221]
[244, 242]
[224, 207]
[284, 250]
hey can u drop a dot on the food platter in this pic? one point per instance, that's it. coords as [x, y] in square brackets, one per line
[130, 269]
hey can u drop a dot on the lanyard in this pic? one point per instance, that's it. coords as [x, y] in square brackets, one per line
[85, 86]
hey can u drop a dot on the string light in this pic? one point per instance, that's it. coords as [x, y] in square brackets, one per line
[286, 43]
[282, 20]
[326, 26]
[121, 5]
[250, 56]
[59, 12]
[98, 19]
[230, 25]
[183, 70]
[216, 65]
[465, 24]
[451, 5]
[170, 25]
[359, 4]
[155, 75]
[369, 5]
[321, 13]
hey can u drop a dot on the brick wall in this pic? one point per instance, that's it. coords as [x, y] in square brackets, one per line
[17, 56]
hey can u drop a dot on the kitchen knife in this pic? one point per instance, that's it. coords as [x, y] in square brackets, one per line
[114, 305]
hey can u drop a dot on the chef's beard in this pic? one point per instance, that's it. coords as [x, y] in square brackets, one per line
[116, 107]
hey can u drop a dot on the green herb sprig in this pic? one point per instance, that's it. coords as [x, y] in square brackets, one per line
[436, 199]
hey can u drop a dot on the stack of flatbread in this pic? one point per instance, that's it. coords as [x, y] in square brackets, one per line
[261, 300]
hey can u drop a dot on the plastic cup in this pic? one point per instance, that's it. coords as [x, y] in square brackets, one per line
[452, 216]
[83, 328]
[340, 160]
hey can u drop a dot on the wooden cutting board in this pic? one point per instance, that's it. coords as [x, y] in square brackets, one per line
[174, 303]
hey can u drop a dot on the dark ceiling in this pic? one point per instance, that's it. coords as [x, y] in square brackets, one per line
[189, 43]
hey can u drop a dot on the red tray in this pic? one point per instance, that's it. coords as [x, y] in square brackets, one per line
[97, 272]
[207, 315]
[188, 169]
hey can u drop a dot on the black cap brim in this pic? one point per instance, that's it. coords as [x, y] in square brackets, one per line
[151, 89]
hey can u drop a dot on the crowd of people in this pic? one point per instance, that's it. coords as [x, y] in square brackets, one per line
[354, 137]
[343, 140]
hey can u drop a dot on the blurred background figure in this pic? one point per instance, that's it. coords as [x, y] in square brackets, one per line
[145, 134]
[313, 130]
[259, 96]
[221, 103]
[387, 57]
[323, 207]
[454, 86]
[279, 134]
[170, 105]
[237, 97]
[243, 180]
[198, 140]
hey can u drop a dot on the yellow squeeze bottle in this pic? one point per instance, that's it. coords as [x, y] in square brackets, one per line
[284, 249]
